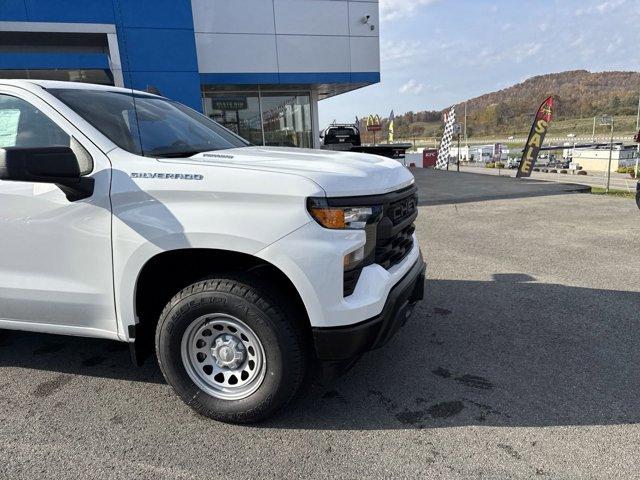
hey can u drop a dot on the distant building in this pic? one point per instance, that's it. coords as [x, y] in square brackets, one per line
[479, 153]
[597, 159]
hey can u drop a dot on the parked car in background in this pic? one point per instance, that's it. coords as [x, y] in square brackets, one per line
[347, 138]
[559, 163]
[513, 162]
[341, 137]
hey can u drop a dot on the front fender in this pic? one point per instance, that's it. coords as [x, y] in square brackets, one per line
[188, 206]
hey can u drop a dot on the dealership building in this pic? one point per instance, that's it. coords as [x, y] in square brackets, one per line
[257, 66]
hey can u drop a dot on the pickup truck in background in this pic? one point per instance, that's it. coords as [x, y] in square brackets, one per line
[248, 270]
[347, 138]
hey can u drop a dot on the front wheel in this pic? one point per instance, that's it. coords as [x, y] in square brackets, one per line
[231, 350]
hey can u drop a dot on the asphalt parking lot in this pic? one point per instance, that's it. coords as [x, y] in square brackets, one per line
[437, 187]
[522, 362]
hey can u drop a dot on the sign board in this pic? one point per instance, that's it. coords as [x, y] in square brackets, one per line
[229, 103]
[373, 123]
[497, 153]
[457, 129]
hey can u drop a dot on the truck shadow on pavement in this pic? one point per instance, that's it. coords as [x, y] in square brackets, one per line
[73, 356]
[506, 352]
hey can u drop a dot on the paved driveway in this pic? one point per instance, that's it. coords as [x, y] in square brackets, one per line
[522, 362]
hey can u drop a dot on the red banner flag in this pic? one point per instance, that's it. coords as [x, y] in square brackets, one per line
[536, 137]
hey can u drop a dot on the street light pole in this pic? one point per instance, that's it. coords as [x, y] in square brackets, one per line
[610, 156]
[638, 130]
[466, 140]
[458, 169]
[593, 136]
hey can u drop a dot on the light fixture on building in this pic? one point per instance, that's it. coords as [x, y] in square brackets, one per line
[366, 19]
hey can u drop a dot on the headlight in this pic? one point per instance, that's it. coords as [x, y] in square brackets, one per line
[340, 218]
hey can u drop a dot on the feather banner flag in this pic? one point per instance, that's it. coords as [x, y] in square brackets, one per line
[447, 137]
[536, 138]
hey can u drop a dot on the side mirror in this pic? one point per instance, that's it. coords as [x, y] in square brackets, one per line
[38, 164]
[58, 165]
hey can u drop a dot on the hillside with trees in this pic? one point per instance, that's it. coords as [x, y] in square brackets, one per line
[579, 94]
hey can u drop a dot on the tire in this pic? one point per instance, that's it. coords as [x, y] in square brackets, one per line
[195, 337]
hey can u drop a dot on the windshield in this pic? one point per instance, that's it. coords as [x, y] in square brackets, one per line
[148, 125]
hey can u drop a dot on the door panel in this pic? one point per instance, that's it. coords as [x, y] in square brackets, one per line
[55, 255]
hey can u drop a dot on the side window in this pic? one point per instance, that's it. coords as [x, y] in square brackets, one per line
[23, 125]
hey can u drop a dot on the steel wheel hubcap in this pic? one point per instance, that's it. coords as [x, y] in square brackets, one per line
[223, 356]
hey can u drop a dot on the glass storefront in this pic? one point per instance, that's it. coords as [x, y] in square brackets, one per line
[264, 118]
[239, 113]
[286, 120]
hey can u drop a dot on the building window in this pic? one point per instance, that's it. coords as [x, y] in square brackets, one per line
[264, 118]
[240, 113]
[286, 120]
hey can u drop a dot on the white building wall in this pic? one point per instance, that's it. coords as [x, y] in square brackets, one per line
[220, 53]
[286, 36]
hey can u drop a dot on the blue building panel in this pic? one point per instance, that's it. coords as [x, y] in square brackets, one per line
[158, 50]
[239, 78]
[317, 78]
[13, 11]
[70, 11]
[183, 87]
[310, 78]
[155, 14]
[365, 77]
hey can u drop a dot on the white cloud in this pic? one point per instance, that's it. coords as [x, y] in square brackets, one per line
[400, 53]
[602, 7]
[412, 86]
[394, 9]
[577, 41]
[610, 5]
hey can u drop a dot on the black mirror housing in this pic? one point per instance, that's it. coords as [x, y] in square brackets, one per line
[58, 165]
[38, 164]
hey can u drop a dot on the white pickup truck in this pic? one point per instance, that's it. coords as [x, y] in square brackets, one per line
[127, 216]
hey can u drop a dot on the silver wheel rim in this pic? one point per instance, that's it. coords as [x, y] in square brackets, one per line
[223, 356]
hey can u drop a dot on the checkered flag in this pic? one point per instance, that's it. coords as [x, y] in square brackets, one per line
[445, 144]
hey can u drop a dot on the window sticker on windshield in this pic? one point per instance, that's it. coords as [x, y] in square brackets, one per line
[9, 120]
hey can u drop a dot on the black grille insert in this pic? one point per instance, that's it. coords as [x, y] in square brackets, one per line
[393, 250]
[393, 230]
[350, 281]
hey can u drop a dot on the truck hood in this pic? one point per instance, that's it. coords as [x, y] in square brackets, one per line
[338, 173]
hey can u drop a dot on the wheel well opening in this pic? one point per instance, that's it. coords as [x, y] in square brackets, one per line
[167, 273]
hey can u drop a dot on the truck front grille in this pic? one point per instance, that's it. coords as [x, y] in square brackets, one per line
[391, 251]
[395, 231]
[390, 236]
[402, 209]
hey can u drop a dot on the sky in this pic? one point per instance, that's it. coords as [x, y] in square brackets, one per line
[436, 53]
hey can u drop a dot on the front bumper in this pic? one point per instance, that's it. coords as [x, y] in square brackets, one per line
[342, 345]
